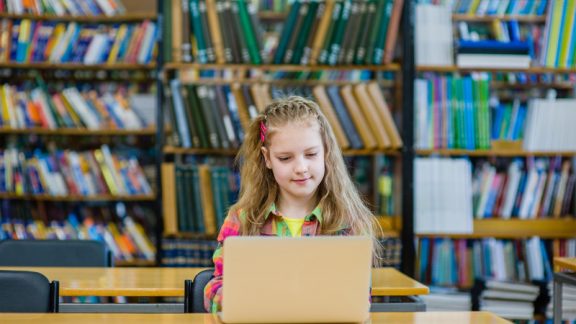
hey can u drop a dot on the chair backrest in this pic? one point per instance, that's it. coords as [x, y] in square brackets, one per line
[194, 296]
[54, 253]
[27, 292]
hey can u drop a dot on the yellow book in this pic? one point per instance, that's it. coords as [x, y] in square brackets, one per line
[120, 35]
[69, 108]
[59, 31]
[568, 33]
[207, 199]
[473, 7]
[108, 177]
[555, 30]
[170, 216]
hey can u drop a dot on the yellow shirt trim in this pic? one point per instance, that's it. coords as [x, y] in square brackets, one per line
[295, 225]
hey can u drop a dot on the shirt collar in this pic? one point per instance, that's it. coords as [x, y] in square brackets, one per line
[316, 213]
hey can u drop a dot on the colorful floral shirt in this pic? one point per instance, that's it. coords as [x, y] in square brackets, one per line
[274, 225]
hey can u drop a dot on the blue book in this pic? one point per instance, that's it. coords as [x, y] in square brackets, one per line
[470, 141]
[344, 117]
[498, 119]
[494, 45]
[180, 114]
[519, 125]
[514, 30]
[541, 10]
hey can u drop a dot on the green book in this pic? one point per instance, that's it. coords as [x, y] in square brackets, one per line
[305, 34]
[365, 28]
[167, 28]
[198, 118]
[197, 199]
[216, 194]
[249, 33]
[204, 106]
[238, 32]
[210, 56]
[324, 53]
[194, 132]
[181, 199]
[286, 33]
[196, 24]
[336, 43]
[382, 32]
[378, 16]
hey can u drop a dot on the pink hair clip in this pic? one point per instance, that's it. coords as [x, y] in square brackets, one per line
[263, 130]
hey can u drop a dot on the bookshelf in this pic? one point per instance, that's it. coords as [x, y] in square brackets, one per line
[241, 81]
[66, 123]
[509, 231]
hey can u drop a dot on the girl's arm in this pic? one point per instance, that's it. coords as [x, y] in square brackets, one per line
[213, 290]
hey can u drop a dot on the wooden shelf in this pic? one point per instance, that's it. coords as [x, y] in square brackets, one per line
[190, 235]
[13, 196]
[78, 132]
[134, 263]
[89, 19]
[390, 223]
[287, 82]
[490, 18]
[280, 67]
[233, 152]
[480, 153]
[76, 66]
[528, 86]
[547, 228]
[454, 68]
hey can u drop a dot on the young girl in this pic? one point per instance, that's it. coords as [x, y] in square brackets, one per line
[293, 183]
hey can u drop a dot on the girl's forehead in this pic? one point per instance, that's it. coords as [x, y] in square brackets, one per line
[295, 136]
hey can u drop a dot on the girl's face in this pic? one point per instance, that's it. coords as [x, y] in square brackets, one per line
[296, 157]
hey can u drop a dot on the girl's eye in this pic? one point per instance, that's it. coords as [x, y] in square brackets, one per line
[283, 158]
[311, 154]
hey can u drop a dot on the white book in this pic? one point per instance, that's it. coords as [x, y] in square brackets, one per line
[106, 7]
[97, 46]
[422, 129]
[147, 43]
[88, 117]
[493, 61]
[139, 239]
[529, 192]
[144, 106]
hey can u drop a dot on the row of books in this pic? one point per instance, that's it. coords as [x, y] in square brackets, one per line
[314, 32]
[64, 173]
[532, 189]
[508, 43]
[63, 7]
[496, 7]
[452, 112]
[24, 107]
[559, 44]
[339, 32]
[549, 125]
[216, 116]
[442, 195]
[568, 303]
[510, 300]
[196, 198]
[508, 121]
[457, 262]
[30, 41]
[127, 239]
[180, 252]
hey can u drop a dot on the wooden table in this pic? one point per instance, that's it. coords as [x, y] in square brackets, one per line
[388, 318]
[561, 278]
[169, 282]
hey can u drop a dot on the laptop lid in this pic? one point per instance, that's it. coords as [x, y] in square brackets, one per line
[305, 279]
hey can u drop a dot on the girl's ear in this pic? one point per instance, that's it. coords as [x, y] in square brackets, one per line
[266, 155]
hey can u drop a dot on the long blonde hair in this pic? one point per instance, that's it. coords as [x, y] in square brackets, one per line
[342, 206]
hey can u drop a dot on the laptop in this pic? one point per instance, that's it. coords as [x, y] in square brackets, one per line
[296, 280]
